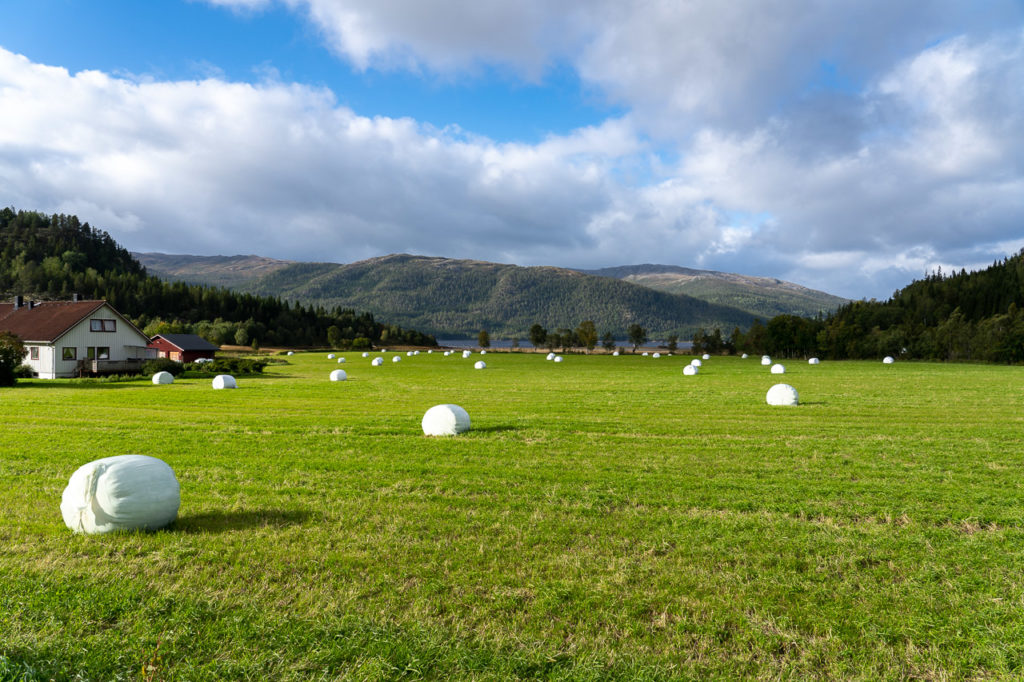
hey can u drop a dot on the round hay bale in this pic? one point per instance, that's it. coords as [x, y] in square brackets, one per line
[690, 370]
[125, 492]
[224, 381]
[330, 356]
[656, 355]
[291, 353]
[778, 369]
[397, 358]
[782, 394]
[480, 364]
[483, 352]
[645, 354]
[813, 361]
[888, 359]
[615, 354]
[408, 353]
[695, 363]
[550, 356]
[430, 352]
[765, 360]
[163, 378]
[445, 420]
[558, 358]
[366, 355]
[377, 362]
[341, 360]
[415, 352]
[339, 375]
[705, 357]
[744, 356]
[466, 353]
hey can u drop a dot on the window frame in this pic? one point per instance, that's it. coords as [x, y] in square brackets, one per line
[102, 324]
[64, 353]
[33, 352]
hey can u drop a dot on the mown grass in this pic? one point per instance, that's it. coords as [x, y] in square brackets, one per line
[606, 518]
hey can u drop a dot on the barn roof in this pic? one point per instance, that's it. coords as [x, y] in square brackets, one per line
[187, 342]
[45, 321]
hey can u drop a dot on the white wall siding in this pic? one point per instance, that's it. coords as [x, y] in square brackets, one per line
[125, 343]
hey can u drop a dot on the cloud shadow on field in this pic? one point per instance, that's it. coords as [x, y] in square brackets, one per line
[223, 521]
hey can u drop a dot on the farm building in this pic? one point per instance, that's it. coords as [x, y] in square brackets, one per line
[73, 338]
[183, 347]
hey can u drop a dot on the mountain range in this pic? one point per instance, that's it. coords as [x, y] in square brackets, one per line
[451, 297]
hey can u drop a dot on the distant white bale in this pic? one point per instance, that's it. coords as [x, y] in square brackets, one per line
[445, 420]
[224, 381]
[550, 356]
[483, 352]
[377, 362]
[366, 355]
[338, 375]
[706, 356]
[341, 360]
[645, 354]
[813, 361]
[480, 364]
[888, 360]
[466, 353]
[766, 360]
[397, 358]
[744, 356]
[415, 352]
[330, 356]
[778, 369]
[782, 394]
[657, 355]
[408, 353]
[291, 353]
[430, 352]
[695, 363]
[616, 353]
[690, 370]
[447, 353]
[383, 350]
[558, 358]
[126, 492]
[163, 378]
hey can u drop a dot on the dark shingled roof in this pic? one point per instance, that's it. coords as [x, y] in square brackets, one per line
[187, 341]
[45, 321]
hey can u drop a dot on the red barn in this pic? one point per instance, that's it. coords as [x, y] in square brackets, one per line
[182, 347]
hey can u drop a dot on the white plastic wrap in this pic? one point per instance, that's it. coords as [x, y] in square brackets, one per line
[445, 420]
[163, 378]
[224, 381]
[126, 492]
[782, 394]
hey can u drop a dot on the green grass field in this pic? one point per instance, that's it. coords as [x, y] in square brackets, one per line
[606, 518]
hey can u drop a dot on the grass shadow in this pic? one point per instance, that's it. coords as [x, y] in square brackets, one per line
[223, 521]
[493, 429]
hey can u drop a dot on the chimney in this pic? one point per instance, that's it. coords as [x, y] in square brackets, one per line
[18, 302]
[31, 305]
[74, 298]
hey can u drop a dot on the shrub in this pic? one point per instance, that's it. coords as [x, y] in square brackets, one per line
[24, 372]
[234, 366]
[151, 367]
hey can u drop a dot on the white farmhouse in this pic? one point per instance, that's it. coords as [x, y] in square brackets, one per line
[72, 338]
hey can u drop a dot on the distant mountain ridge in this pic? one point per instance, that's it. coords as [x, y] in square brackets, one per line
[460, 297]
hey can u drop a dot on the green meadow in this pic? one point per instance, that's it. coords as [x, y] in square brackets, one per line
[605, 518]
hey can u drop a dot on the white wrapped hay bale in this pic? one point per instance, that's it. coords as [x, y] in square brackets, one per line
[366, 355]
[656, 355]
[445, 420]
[646, 354]
[126, 492]
[377, 362]
[813, 361]
[483, 352]
[550, 356]
[696, 363]
[430, 352]
[397, 358]
[466, 353]
[706, 357]
[782, 394]
[615, 354]
[558, 358]
[224, 381]
[888, 359]
[480, 364]
[778, 369]
[163, 378]
[744, 356]
[690, 370]
[330, 356]
[339, 375]
[341, 360]
[291, 353]
[765, 360]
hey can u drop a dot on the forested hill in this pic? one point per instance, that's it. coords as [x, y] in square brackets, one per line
[51, 257]
[958, 316]
[442, 295]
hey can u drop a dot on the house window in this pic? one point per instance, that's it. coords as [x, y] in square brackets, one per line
[98, 352]
[33, 352]
[98, 325]
[69, 353]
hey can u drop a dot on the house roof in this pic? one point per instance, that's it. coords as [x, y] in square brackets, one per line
[187, 342]
[45, 321]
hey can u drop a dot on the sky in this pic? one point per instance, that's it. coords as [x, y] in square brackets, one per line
[850, 146]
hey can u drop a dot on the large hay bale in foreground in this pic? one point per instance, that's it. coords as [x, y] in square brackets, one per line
[125, 492]
[445, 420]
[339, 375]
[888, 359]
[782, 394]
[163, 378]
[691, 370]
[480, 364]
[224, 381]
[778, 369]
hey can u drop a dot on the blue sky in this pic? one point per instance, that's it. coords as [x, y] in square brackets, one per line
[848, 146]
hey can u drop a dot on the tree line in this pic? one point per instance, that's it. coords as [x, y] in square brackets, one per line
[53, 257]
